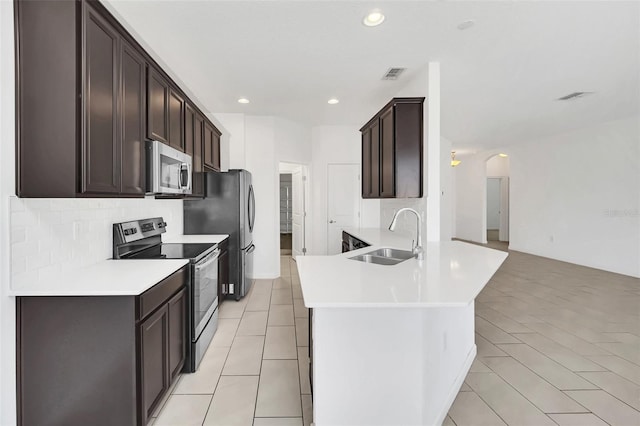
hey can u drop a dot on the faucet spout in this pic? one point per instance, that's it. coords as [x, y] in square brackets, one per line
[417, 248]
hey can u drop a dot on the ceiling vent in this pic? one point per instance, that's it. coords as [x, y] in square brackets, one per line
[573, 96]
[393, 73]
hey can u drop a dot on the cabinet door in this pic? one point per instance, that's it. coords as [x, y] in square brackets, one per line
[176, 120]
[132, 116]
[177, 332]
[189, 123]
[154, 357]
[157, 107]
[198, 157]
[387, 154]
[216, 151]
[370, 162]
[208, 145]
[100, 140]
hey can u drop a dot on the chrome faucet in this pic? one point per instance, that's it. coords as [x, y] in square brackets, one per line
[417, 250]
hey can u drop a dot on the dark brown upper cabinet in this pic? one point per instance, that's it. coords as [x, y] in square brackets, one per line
[193, 123]
[211, 147]
[176, 120]
[100, 139]
[133, 73]
[392, 151]
[87, 98]
[165, 114]
[157, 107]
[81, 103]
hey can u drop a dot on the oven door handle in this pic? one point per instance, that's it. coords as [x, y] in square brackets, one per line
[213, 257]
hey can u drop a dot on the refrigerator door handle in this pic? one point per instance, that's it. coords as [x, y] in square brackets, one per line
[251, 248]
[251, 208]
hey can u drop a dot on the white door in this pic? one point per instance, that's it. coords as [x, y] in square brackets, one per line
[493, 204]
[298, 212]
[343, 202]
[498, 206]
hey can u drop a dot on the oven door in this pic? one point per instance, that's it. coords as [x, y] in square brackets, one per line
[205, 292]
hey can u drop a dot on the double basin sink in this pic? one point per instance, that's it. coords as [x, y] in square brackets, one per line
[384, 256]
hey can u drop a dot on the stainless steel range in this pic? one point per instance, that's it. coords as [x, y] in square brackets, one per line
[141, 239]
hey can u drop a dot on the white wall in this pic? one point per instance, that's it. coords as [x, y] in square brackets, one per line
[235, 140]
[267, 142]
[470, 191]
[498, 166]
[334, 145]
[574, 196]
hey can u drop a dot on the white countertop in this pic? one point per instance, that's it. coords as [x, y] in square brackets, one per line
[451, 274]
[107, 278]
[188, 239]
[128, 277]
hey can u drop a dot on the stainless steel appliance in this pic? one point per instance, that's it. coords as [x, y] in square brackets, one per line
[141, 239]
[228, 208]
[168, 170]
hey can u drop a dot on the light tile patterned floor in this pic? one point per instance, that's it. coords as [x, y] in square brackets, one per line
[558, 344]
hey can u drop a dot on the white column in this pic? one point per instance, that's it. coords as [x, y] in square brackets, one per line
[432, 151]
[7, 189]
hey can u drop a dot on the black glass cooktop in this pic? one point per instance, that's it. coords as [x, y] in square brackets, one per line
[173, 251]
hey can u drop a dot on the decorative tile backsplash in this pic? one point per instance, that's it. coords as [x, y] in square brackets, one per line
[407, 221]
[54, 236]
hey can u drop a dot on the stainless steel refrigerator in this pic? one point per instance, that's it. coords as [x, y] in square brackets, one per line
[228, 208]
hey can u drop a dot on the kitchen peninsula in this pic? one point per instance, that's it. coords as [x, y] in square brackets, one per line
[392, 344]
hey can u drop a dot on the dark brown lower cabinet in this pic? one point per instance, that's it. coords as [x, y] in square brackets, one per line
[177, 308]
[99, 360]
[154, 359]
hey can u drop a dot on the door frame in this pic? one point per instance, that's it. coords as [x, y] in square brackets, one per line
[289, 167]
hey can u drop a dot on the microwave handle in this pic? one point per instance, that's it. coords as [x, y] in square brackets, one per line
[184, 166]
[189, 175]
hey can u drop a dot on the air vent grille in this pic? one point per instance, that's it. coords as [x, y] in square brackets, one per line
[393, 73]
[574, 96]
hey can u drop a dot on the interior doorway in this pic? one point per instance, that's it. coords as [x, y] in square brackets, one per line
[343, 203]
[293, 209]
[497, 199]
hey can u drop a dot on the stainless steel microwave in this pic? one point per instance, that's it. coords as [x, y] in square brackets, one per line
[168, 170]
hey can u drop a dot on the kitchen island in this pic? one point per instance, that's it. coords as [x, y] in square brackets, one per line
[392, 344]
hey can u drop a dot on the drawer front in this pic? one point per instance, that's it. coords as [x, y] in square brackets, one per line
[151, 299]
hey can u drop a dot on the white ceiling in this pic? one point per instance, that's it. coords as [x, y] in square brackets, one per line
[499, 78]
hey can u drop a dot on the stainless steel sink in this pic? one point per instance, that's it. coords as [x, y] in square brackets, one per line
[392, 253]
[384, 256]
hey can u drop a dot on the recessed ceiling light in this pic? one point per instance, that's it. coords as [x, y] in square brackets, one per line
[243, 101]
[502, 155]
[375, 17]
[466, 25]
[333, 101]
